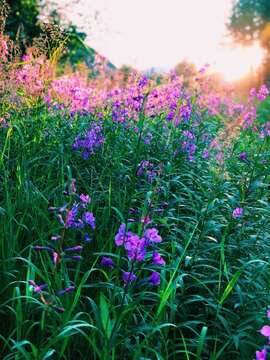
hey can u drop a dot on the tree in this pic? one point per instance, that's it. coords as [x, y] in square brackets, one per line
[23, 24]
[22, 21]
[250, 22]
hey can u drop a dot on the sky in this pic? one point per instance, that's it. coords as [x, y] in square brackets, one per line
[161, 33]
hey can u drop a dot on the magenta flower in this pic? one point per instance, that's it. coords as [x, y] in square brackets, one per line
[265, 331]
[135, 247]
[262, 93]
[66, 290]
[243, 156]
[106, 261]
[128, 277]
[85, 198]
[205, 154]
[261, 355]
[238, 213]
[155, 278]
[120, 236]
[89, 219]
[152, 235]
[157, 259]
[37, 288]
[56, 258]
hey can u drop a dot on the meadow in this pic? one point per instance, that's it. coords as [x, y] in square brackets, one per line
[134, 214]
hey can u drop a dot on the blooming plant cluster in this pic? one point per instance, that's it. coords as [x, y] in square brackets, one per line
[169, 257]
[137, 249]
[62, 249]
[265, 331]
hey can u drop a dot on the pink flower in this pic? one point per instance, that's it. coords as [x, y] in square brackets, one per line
[261, 355]
[157, 259]
[152, 235]
[265, 330]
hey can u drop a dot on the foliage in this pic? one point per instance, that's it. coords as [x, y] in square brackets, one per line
[135, 217]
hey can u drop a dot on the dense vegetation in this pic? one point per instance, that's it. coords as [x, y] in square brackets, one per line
[134, 214]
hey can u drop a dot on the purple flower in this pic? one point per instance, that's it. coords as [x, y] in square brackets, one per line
[135, 247]
[71, 219]
[157, 259]
[205, 154]
[152, 235]
[120, 236]
[268, 313]
[106, 261]
[188, 134]
[89, 219]
[37, 288]
[85, 198]
[128, 277]
[66, 290]
[91, 140]
[87, 238]
[265, 331]
[148, 138]
[55, 257]
[155, 278]
[261, 355]
[238, 213]
[74, 248]
[243, 156]
[262, 93]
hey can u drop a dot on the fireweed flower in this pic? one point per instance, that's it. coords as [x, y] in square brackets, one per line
[146, 220]
[87, 238]
[261, 355]
[85, 199]
[155, 278]
[66, 290]
[205, 154]
[243, 156]
[238, 213]
[151, 235]
[188, 134]
[148, 138]
[121, 235]
[128, 277]
[56, 258]
[108, 262]
[262, 93]
[265, 331]
[157, 259]
[135, 247]
[89, 142]
[89, 219]
[37, 288]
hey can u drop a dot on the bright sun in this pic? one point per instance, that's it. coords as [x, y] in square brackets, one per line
[236, 63]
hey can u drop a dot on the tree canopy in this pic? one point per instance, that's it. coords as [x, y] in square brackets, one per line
[24, 26]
